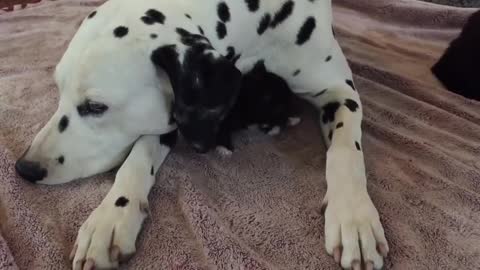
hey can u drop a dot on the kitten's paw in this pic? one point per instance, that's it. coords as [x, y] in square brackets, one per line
[293, 121]
[274, 131]
[224, 151]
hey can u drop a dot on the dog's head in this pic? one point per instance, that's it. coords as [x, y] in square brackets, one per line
[109, 96]
[206, 86]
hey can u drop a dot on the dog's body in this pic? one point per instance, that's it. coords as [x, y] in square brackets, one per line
[265, 101]
[130, 59]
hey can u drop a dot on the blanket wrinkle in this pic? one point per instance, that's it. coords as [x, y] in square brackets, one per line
[260, 208]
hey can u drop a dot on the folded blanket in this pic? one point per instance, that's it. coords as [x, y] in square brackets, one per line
[260, 209]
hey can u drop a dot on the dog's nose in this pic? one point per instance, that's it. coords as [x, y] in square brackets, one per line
[30, 171]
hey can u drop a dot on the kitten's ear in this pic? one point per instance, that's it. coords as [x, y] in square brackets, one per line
[198, 69]
[167, 58]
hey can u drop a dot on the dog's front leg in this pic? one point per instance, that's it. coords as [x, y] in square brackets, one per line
[110, 232]
[352, 224]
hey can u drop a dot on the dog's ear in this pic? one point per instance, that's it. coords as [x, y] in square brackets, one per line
[200, 72]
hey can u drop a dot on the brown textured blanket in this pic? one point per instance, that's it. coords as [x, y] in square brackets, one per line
[259, 209]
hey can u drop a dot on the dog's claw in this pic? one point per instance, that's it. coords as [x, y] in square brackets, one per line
[89, 265]
[72, 253]
[145, 208]
[382, 249]
[356, 265]
[369, 265]
[337, 254]
[79, 264]
[115, 254]
[125, 257]
[323, 209]
[324, 206]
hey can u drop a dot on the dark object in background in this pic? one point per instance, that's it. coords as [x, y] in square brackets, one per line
[265, 100]
[459, 68]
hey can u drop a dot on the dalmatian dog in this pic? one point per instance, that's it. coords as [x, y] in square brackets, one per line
[138, 71]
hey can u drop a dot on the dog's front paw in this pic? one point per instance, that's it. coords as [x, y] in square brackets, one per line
[353, 231]
[108, 235]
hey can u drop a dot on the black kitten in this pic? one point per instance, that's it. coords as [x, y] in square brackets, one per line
[265, 99]
[458, 69]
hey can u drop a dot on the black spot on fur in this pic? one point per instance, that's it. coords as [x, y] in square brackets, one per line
[330, 135]
[221, 30]
[230, 53]
[188, 16]
[333, 32]
[253, 5]
[352, 105]
[284, 12]
[340, 125]
[223, 12]
[92, 14]
[328, 58]
[157, 16]
[264, 23]
[184, 33]
[147, 20]
[320, 93]
[152, 171]
[120, 31]
[329, 111]
[200, 29]
[296, 72]
[153, 16]
[306, 31]
[358, 146]
[235, 59]
[61, 159]
[169, 139]
[350, 82]
[121, 202]
[63, 124]
[153, 36]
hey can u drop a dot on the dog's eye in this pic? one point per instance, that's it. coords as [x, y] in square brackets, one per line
[91, 108]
